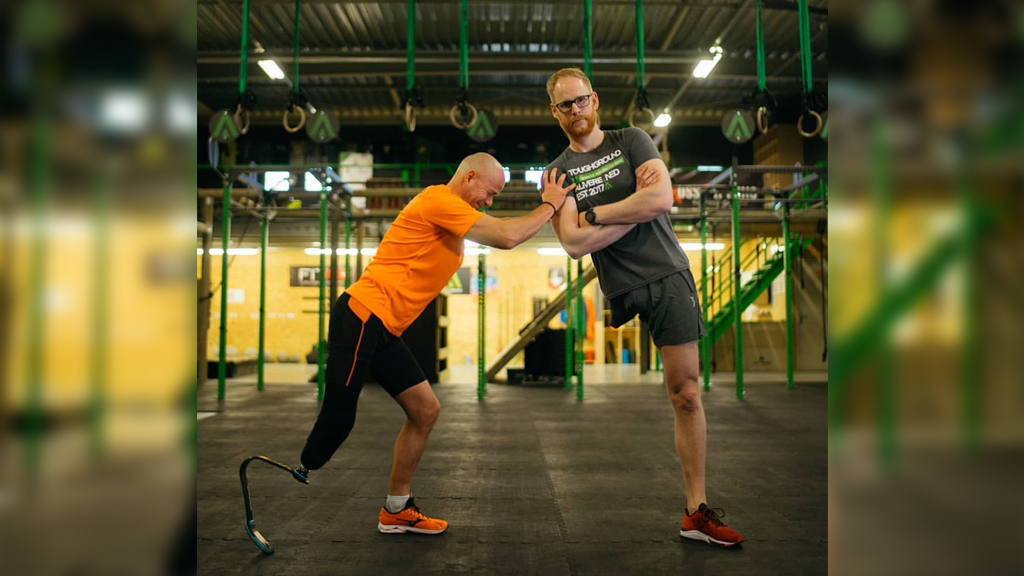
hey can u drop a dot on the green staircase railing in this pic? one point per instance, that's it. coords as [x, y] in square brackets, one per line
[769, 266]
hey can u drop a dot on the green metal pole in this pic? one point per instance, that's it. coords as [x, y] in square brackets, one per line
[970, 373]
[736, 285]
[39, 190]
[264, 234]
[581, 328]
[568, 323]
[321, 377]
[588, 38]
[100, 307]
[225, 232]
[705, 342]
[348, 248]
[886, 381]
[222, 364]
[787, 258]
[243, 67]
[481, 335]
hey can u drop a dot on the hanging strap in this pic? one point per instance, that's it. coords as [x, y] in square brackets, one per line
[410, 48]
[812, 103]
[246, 101]
[643, 105]
[805, 44]
[243, 70]
[760, 49]
[588, 39]
[295, 51]
[761, 100]
[463, 114]
[464, 47]
[412, 97]
[640, 84]
[296, 100]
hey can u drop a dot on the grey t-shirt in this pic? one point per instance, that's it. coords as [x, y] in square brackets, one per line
[605, 175]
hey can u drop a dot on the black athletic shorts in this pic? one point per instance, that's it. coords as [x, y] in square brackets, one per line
[669, 306]
[360, 346]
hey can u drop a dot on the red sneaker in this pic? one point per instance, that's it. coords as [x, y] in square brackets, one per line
[706, 524]
[409, 519]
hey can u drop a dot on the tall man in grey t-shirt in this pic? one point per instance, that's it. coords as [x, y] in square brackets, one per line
[620, 217]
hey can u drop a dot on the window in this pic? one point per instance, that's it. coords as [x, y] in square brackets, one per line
[276, 181]
[312, 183]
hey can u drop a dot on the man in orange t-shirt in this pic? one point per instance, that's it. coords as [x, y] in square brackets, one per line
[416, 258]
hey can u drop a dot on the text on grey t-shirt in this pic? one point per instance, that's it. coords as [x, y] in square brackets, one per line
[605, 175]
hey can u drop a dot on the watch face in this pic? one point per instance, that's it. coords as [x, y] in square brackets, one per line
[591, 217]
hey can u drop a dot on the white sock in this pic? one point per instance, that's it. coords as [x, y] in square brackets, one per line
[395, 504]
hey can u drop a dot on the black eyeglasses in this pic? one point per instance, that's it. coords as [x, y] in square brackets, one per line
[581, 102]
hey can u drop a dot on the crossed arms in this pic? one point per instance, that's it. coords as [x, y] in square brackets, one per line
[652, 198]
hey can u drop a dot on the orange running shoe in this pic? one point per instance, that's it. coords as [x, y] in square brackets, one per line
[706, 524]
[410, 519]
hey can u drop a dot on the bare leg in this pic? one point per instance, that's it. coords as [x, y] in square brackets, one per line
[681, 374]
[421, 410]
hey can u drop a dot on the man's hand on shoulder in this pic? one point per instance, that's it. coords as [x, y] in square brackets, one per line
[553, 190]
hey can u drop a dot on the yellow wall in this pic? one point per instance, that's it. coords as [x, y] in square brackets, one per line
[288, 328]
[522, 274]
[762, 310]
[147, 343]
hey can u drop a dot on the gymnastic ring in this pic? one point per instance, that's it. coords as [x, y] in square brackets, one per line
[632, 115]
[410, 116]
[239, 111]
[762, 119]
[299, 125]
[817, 128]
[451, 116]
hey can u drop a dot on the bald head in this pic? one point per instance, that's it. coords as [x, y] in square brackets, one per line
[481, 162]
[478, 179]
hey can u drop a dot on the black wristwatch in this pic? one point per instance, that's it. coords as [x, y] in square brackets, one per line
[591, 216]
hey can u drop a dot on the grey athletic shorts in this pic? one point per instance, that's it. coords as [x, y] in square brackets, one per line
[669, 306]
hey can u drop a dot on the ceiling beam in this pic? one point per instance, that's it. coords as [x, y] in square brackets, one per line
[677, 22]
[708, 4]
[732, 22]
[448, 58]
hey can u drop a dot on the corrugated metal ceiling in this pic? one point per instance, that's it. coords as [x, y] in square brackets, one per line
[505, 38]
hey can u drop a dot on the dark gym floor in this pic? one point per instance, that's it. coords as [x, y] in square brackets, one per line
[532, 481]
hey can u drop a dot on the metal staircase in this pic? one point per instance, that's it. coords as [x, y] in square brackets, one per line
[535, 327]
[720, 297]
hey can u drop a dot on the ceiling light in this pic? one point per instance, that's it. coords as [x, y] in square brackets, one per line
[275, 72]
[704, 67]
[663, 119]
[124, 110]
[231, 251]
[697, 245]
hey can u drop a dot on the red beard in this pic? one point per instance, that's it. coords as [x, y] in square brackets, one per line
[576, 129]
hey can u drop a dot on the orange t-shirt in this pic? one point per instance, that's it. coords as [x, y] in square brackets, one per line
[418, 255]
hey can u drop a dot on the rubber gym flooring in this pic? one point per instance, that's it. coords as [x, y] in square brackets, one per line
[532, 481]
